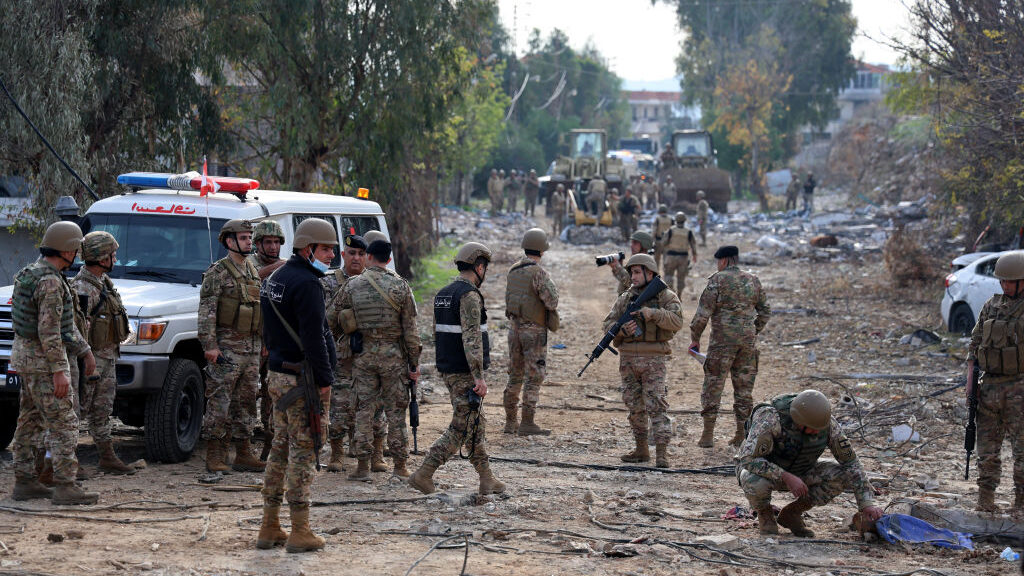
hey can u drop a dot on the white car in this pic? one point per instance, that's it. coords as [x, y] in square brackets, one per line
[968, 286]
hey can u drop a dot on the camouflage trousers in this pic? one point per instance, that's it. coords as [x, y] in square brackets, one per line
[627, 222]
[379, 378]
[45, 421]
[98, 400]
[343, 407]
[266, 406]
[808, 202]
[703, 225]
[527, 363]
[496, 202]
[790, 201]
[231, 390]
[659, 251]
[530, 199]
[512, 201]
[557, 213]
[676, 267]
[739, 360]
[999, 418]
[460, 431]
[292, 458]
[825, 481]
[645, 394]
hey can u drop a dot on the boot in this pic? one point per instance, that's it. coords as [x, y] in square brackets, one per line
[423, 478]
[641, 453]
[302, 538]
[740, 436]
[71, 494]
[30, 489]
[511, 420]
[377, 463]
[245, 460]
[528, 428]
[792, 517]
[268, 443]
[362, 472]
[271, 534]
[109, 462]
[766, 521]
[661, 455]
[488, 483]
[987, 501]
[215, 456]
[337, 456]
[400, 470]
[707, 437]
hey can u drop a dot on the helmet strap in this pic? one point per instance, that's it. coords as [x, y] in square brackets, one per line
[233, 236]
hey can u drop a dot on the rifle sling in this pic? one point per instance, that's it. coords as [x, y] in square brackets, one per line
[297, 392]
[382, 293]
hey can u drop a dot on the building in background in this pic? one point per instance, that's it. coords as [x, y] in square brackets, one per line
[658, 113]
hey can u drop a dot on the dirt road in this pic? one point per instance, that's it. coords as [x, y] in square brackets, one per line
[556, 519]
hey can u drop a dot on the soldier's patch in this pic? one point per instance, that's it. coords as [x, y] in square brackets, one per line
[844, 452]
[764, 445]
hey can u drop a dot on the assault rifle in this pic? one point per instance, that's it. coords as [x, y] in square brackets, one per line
[971, 433]
[310, 392]
[654, 287]
[414, 414]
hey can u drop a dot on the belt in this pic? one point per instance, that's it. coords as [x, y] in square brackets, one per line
[677, 253]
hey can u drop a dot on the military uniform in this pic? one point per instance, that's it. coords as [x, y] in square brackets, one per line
[513, 187]
[678, 243]
[495, 191]
[809, 185]
[668, 193]
[737, 308]
[662, 222]
[702, 220]
[557, 203]
[622, 276]
[629, 210]
[792, 191]
[596, 192]
[530, 190]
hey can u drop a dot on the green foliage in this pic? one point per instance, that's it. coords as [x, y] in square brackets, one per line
[434, 270]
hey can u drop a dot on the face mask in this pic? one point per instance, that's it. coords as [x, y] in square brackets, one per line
[319, 265]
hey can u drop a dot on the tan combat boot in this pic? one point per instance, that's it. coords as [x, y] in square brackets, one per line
[362, 472]
[109, 462]
[337, 463]
[377, 463]
[215, 456]
[29, 489]
[766, 521]
[302, 538]
[511, 420]
[792, 517]
[707, 437]
[68, 493]
[640, 454]
[245, 460]
[528, 428]
[661, 455]
[740, 436]
[488, 483]
[271, 534]
[987, 501]
[400, 470]
[423, 478]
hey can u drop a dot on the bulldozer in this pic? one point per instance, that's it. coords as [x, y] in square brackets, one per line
[693, 166]
[587, 159]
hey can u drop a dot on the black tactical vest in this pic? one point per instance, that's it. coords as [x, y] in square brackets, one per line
[451, 353]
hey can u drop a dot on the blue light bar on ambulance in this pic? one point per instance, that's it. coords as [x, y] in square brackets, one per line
[187, 181]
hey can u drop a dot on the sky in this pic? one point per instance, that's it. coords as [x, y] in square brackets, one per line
[641, 41]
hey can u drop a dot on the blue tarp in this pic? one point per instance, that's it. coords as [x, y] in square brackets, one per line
[903, 528]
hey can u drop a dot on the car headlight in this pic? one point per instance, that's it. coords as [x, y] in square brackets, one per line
[144, 332]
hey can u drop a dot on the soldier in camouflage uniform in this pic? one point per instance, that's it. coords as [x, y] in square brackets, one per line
[668, 192]
[995, 350]
[643, 345]
[557, 205]
[640, 242]
[463, 354]
[737, 308]
[107, 327]
[597, 189]
[629, 212]
[531, 305]
[496, 191]
[680, 251]
[792, 192]
[780, 452]
[43, 309]
[267, 237]
[297, 335]
[530, 190]
[702, 217]
[662, 222]
[513, 187]
[378, 304]
[230, 331]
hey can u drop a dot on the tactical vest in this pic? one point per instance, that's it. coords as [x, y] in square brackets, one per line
[375, 317]
[627, 207]
[108, 320]
[1001, 350]
[24, 311]
[238, 308]
[520, 300]
[451, 352]
[796, 452]
[650, 333]
[678, 239]
[661, 225]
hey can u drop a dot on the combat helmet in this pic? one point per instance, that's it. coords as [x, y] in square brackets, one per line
[373, 236]
[267, 228]
[662, 209]
[536, 239]
[645, 260]
[680, 217]
[471, 251]
[701, 194]
[233, 227]
[314, 231]
[644, 238]
[62, 236]
[97, 245]
[812, 409]
[1010, 266]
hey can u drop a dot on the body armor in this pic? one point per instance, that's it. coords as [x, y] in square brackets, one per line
[796, 452]
[239, 308]
[451, 352]
[650, 333]
[677, 241]
[375, 316]
[661, 225]
[521, 302]
[24, 311]
[108, 320]
[1001, 351]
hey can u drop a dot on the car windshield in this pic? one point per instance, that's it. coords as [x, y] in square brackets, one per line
[691, 145]
[160, 248]
[588, 144]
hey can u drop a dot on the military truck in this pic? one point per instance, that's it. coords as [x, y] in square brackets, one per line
[587, 159]
[692, 164]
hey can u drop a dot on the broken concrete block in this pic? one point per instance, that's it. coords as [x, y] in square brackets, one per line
[722, 541]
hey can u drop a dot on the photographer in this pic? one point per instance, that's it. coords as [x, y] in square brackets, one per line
[463, 353]
[640, 243]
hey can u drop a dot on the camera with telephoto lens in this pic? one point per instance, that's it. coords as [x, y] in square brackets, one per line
[608, 258]
[473, 399]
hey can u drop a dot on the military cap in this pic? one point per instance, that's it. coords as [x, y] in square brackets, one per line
[727, 252]
[355, 241]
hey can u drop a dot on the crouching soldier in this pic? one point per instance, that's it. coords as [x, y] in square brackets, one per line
[785, 438]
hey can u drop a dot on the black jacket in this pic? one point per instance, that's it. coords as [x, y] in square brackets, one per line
[298, 295]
